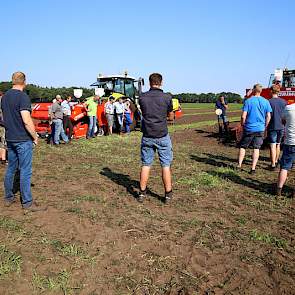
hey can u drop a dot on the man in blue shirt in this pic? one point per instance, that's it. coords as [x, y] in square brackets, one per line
[222, 104]
[276, 126]
[255, 118]
[20, 136]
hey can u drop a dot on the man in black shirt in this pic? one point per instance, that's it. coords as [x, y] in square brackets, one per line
[20, 136]
[156, 106]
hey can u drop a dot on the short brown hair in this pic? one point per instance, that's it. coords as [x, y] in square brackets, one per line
[155, 79]
[275, 89]
[18, 78]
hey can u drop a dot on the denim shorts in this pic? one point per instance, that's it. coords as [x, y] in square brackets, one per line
[275, 136]
[253, 139]
[162, 145]
[288, 157]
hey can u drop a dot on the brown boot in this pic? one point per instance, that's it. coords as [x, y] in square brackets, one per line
[34, 208]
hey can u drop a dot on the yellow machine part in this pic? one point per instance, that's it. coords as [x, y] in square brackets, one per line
[175, 104]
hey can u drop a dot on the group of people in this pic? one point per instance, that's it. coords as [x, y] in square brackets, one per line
[262, 119]
[117, 113]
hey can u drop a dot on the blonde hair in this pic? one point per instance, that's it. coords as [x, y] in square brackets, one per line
[18, 78]
[257, 88]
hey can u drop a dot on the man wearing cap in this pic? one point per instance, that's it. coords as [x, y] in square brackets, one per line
[255, 118]
[57, 119]
[109, 112]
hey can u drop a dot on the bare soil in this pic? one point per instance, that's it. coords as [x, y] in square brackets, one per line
[224, 232]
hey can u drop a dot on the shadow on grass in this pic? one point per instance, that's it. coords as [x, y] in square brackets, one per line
[233, 176]
[225, 140]
[124, 180]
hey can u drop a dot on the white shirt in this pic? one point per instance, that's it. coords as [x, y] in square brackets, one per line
[119, 107]
[289, 116]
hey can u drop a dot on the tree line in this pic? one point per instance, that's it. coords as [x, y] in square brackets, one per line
[207, 97]
[48, 94]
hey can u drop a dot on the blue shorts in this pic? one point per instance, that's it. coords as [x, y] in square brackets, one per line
[253, 139]
[275, 136]
[288, 157]
[162, 145]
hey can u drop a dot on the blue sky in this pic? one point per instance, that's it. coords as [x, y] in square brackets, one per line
[198, 46]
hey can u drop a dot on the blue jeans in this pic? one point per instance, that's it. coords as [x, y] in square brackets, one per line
[20, 156]
[275, 136]
[120, 121]
[128, 122]
[59, 132]
[91, 127]
[162, 145]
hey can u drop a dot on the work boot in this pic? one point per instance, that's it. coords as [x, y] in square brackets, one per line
[35, 207]
[141, 196]
[9, 203]
[278, 192]
[168, 197]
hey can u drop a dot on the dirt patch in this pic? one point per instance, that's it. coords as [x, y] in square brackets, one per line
[224, 232]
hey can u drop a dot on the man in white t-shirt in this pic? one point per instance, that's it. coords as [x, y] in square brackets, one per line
[119, 110]
[288, 156]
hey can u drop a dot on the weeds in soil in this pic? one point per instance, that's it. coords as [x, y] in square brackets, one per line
[10, 225]
[9, 261]
[75, 210]
[268, 239]
[58, 282]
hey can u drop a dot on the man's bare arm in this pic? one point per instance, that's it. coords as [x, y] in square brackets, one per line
[170, 116]
[243, 118]
[29, 125]
[268, 117]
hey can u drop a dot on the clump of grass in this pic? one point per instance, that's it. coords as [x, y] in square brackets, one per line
[58, 282]
[75, 210]
[267, 238]
[226, 172]
[9, 261]
[10, 225]
[208, 180]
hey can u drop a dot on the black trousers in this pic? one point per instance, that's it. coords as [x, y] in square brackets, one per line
[68, 126]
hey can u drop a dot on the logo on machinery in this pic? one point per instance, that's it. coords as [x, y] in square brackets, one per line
[287, 93]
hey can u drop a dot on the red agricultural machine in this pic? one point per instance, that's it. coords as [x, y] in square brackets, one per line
[117, 86]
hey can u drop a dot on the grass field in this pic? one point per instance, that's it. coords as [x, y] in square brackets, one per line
[208, 106]
[224, 232]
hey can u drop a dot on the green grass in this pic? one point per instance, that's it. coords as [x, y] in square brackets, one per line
[207, 113]
[9, 261]
[203, 106]
[198, 124]
[58, 282]
[10, 225]
[267, 238]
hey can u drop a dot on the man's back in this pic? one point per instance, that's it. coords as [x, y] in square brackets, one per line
[155, 105]
[256, 107]
[13, 102]
[278, 105]
[289, 116]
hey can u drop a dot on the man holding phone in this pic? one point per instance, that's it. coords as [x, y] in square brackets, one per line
[21, 137]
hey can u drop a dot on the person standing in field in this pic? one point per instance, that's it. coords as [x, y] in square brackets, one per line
[57, 119]
[156, 106]
[127, 116]
[255, 119]
[119, 111]
[288, 156]
[67, 122]
[3, 146]
[276, 127]
[91, 107]
[222, 104]
[20, 137]
[109, 112]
